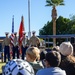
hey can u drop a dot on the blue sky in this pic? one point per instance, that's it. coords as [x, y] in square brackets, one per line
[39, 14]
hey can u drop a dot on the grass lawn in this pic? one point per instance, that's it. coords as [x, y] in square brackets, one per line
[1, 64]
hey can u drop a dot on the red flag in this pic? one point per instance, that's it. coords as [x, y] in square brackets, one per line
[21, 29]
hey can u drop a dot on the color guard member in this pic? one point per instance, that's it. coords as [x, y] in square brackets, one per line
[15, 46]
[24, 45]
[34, 41]
[6, 44]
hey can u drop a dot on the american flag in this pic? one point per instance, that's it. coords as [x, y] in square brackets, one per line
[12, 34]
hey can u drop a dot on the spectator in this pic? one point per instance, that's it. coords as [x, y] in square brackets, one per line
[52, 61]
[32, 54]
[73, 49]
[17, 67]
[56, 48]
[42, 56]
[67, 58]
[48, 49]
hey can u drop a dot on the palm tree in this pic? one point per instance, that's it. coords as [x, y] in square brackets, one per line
[54, 3]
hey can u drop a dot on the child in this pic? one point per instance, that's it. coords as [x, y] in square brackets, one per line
[32, 54]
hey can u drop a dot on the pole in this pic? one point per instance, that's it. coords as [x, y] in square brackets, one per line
[29, 14]
[29, 33]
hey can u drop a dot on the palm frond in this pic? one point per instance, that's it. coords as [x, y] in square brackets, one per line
[49, 5]
[48, 1]
[62, 4]
[55, 2]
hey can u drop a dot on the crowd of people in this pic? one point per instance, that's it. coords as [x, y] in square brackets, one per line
[59, 60]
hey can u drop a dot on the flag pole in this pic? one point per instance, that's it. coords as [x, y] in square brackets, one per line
[13, 24]
[29, 13]
[29, 33]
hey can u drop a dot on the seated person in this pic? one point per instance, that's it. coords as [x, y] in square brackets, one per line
[32, 54]
[56, 48]
[17, 67]
[67, 58]
[52, 61]
[42, 56]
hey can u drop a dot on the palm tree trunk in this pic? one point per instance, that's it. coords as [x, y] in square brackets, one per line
[54, 33]
[54, 16]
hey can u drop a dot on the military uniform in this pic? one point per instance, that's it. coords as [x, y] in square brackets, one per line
[24, 46]
[34, 41]
[15, 46]
[6, 44]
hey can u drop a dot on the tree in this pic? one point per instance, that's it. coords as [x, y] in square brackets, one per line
[72, 23]
[47, 29]
[63, 27]
[72, 17]
[54, 3]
